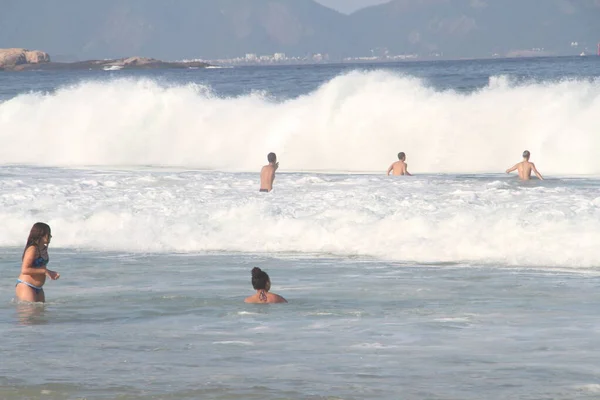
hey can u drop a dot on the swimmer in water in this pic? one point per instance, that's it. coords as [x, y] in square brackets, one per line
[33, 268]
[267, 173]
[399, 167]
[262, 284]
[525, 167]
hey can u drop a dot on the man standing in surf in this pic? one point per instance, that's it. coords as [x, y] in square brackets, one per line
[525, 167]
[267, 173]
[400, 167]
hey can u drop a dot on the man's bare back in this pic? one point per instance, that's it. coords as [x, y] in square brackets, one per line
[525, 168]
[399, 167]
[267, 173]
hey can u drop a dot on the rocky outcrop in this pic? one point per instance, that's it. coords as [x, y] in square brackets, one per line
[132, 62]
[13, 58]
[23, 60]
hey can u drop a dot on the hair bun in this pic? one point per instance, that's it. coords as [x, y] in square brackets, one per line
[255, 272]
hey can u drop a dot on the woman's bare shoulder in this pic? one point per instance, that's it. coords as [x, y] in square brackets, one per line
[276, 298]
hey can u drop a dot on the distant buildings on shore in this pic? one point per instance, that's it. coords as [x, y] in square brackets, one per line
[377, 55]
[317, 58]
[271, 59]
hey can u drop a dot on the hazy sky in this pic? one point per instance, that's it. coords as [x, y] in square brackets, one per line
[348, 6]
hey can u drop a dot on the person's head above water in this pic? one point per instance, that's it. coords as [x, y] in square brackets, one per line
[38, 232]
[526, 154]
[260, 279]
[401, 156]
[271, 157]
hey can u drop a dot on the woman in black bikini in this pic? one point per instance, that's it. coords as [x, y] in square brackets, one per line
[33, 268]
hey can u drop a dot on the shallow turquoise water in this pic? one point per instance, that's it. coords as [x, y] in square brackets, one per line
[175, 326]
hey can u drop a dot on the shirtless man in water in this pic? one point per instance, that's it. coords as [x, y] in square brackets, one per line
[525, 167]
[267, 173]
[399, 167]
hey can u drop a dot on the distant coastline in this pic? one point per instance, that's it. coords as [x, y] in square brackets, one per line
[281, 59]
[27, 60]
[383, 61]
[110, 65]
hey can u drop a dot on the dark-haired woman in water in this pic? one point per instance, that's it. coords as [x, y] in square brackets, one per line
[262, 284]
[33, 268]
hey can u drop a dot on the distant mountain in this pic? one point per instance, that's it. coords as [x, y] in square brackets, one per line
[170, 29]
[463, 28]
[210, 29]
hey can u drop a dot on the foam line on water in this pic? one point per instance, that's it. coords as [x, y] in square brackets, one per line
[481, 221]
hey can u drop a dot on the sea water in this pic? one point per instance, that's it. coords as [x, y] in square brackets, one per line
[457, 283]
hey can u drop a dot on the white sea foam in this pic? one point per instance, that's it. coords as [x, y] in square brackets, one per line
[372, 346]
[355, 122]
[592, 387]
[420, 219]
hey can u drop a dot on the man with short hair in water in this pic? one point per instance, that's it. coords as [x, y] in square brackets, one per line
[399, 167]
[525, 167]
[267, 173]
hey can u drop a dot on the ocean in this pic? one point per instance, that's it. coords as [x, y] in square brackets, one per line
[460, 282]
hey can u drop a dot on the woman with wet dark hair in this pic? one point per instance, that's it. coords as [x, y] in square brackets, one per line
[33, 268]
[262, 284]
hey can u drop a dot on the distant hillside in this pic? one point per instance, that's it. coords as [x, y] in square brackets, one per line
[464, 28]
[169, 29]
[177, 29]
